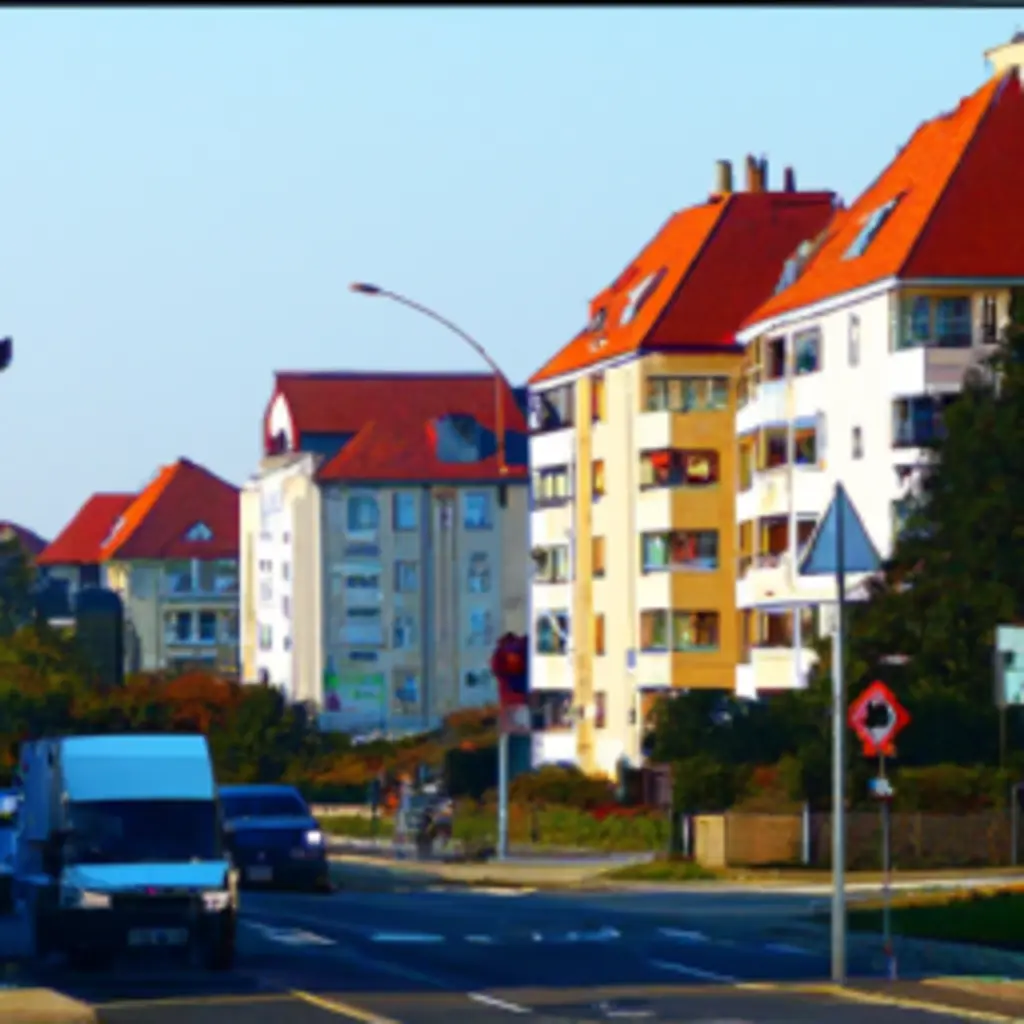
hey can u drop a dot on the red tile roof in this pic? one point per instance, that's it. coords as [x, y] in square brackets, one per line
[180, 496]
[390, 416]
[80, 541]
[710, 265]
[30, 540]
[959, 210]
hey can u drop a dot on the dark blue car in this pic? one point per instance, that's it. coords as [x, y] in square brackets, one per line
[273, 837]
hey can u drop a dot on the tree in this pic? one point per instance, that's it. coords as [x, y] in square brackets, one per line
[17, 579]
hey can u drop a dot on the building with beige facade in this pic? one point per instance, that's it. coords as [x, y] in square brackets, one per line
[633, 473]
[384, 545]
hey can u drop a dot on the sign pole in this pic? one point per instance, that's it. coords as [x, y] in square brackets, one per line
[839, 768]
[502, 850]
[886, 871]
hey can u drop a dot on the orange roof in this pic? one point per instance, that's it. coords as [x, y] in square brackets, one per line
[80, 541]
[390, 419]
[155, 524]
[957, 212]
[693, 284]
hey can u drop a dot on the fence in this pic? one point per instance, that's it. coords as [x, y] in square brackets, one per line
[919, 840]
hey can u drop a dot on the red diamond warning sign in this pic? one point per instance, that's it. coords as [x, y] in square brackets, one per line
[877, 718]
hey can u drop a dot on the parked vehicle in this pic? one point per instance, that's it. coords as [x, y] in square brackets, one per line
[9, 801]
[120, 848]
[274, 838]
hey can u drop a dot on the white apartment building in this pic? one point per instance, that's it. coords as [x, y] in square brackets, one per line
[384, 546]
[849, 365]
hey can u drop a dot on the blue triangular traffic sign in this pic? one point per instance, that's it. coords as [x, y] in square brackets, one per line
[825, 557]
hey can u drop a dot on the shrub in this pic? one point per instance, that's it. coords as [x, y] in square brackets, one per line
[568, 787]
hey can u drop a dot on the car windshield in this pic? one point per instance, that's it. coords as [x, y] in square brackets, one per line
[264, 805]
[140, 831]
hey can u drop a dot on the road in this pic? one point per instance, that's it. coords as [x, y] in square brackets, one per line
[428, 957]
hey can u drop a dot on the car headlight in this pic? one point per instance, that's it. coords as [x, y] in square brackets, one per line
[216, 900]
[83, 899]
[314, 837]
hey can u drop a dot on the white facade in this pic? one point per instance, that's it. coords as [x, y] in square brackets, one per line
[871, 403]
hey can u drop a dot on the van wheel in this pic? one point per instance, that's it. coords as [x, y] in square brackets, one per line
[89, 959]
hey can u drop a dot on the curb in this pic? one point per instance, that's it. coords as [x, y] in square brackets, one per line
[43, 1006]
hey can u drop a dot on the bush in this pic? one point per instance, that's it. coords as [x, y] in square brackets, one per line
[568, 787]
[951, 788]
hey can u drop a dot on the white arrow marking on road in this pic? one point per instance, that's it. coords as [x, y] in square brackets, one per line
[397, 937]
[680, 936]
[498, 1004]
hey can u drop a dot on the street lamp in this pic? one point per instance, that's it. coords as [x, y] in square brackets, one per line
[500, 380]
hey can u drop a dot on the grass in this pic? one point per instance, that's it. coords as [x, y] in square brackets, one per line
[984, 918]
[663, 870]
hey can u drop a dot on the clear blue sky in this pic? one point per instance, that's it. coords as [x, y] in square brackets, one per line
[187, 193]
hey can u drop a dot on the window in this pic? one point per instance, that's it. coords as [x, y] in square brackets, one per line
[597, 398]
[805, 442]
[363, 627]
[695, 631]
[403, 510]
[552, 564]
[551, 409]
[746, 463]
[479, 581]
[775, 359]
[858, 443]
[687, 394]
[807, 352]
[476, 510]
[853, 341]
[871, 226]
[597, 477]
[225, 576]
[552, 632]
[679, 549]
[989, 320]
[407, 577]
[367, 579]
[600, 709]
[597, 556]
[599, 635]
[286, 606]
[178, 577]
[179, 628]
[266, 591]
[654, 630]
[286, 571]
[953, 322]
[199, 532]
[266, 638]
[480, 631]
[403, 632]
[229, 627]
[673, 468]
[362, 514]
[917, 422]
[405, 692]
[551, 486]
[208, 627]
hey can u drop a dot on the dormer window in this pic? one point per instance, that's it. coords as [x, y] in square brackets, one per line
[870, 228]
[639, 295]
[597, 321]
[200, 532]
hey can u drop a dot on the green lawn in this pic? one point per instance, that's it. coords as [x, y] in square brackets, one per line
[662, 870]
[988, 920]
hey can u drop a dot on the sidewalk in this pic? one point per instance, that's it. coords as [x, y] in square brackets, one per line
[999, 997]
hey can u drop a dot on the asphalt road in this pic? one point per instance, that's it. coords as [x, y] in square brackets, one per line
[427, 957]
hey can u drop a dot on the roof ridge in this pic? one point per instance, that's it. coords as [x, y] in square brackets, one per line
[994, 87]
[144, 501]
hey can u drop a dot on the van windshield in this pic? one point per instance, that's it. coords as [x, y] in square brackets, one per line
[263, 805]
[140, 831]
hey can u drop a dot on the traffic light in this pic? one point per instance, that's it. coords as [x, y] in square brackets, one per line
[6, 352]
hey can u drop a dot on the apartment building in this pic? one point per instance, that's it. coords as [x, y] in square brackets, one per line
[384, 544]
[848, 367]
[632, 456]
[171, 553]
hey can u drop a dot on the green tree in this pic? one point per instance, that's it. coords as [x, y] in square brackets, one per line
[17, 578]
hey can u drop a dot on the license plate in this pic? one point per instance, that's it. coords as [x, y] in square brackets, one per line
[158, 937]
[259, 874]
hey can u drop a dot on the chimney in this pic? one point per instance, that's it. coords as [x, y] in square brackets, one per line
[762, 175]
[752, 169]
[723, 177]
[788, 180]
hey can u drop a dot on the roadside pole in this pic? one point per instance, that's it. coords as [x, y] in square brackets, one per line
[502, 850]
[839, 767]
[885, 810]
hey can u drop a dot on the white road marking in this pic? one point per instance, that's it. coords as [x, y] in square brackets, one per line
[411, 937]
[482, 940]
[681, 936]
[692, 972]
[787, 950]
[498, 1004]
[289, 936]
[605, 934]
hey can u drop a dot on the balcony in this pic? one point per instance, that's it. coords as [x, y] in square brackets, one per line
[770, 493]
[774, 668]
[768, 580]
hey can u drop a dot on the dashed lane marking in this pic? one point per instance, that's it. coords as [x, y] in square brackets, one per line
[787, 950]
[498, 1004]
[682, 936]
[693, 972]
[406, 937]
[289, 936]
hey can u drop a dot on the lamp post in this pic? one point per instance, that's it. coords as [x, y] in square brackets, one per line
[362, 288]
